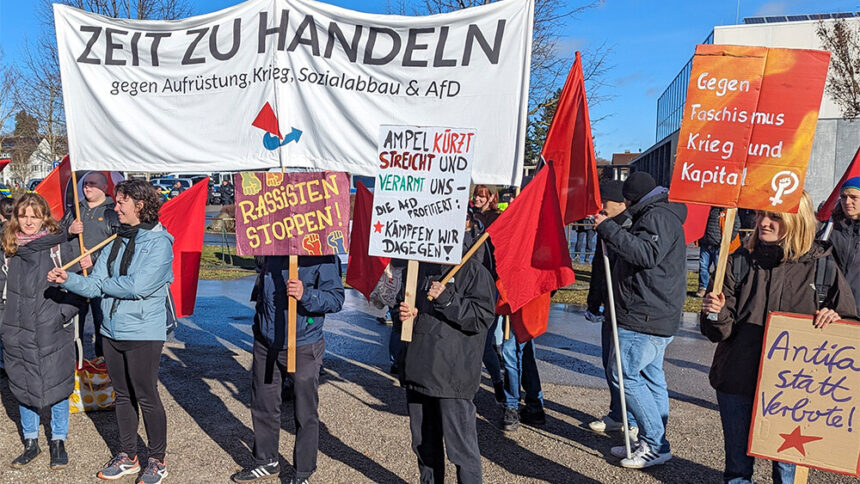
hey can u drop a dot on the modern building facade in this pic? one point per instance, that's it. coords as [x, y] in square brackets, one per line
[836, 139]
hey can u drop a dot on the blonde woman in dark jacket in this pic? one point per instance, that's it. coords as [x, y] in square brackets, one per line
[775, 271]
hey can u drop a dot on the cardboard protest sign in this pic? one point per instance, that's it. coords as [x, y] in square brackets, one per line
[305, 213]
[748, 125]
[807, 397]
[422, 192]
[300, 83]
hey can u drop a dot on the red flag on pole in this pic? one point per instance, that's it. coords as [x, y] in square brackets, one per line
[362, 270]
[184, 217]
[54, 187]
[4, 162]
[570, 146]
[531, 252]
[852, 171]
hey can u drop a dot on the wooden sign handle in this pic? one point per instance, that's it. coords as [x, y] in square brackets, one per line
[291, 318]
[468, 255]
[411, 286]
[801, 475]
[507, 327]
[725, 244]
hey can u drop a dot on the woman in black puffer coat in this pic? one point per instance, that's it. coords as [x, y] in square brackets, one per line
[37, 332]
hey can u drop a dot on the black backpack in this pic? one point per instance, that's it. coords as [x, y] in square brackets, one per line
[825, 275]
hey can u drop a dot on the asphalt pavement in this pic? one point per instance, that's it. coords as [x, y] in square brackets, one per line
[364, 436]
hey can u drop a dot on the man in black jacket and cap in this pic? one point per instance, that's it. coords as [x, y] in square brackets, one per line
[441, 367]
[612, 197]
[649, 283]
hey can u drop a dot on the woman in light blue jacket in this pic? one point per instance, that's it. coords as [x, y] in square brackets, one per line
[132, 278]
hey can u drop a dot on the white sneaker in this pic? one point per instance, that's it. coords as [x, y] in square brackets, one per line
[620, 451]
[645, 457]
[605, 424]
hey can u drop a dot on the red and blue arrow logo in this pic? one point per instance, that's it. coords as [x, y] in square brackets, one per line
[268, 122]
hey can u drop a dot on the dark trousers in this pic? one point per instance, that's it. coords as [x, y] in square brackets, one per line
[133, 370]
[98, 318]
[453, 419]
[266, 404]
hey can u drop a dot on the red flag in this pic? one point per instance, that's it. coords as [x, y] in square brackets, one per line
[184, 217]
[362, 270]
[54, 187]
[4, 162]
[696, 222]
[531, 320]
[531, 252]
[852, 171]
[570, 146]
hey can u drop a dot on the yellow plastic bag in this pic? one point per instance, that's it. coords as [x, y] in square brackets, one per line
[93, 388]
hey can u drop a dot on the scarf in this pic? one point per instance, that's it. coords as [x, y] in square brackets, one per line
[128, 232]
[24, 239]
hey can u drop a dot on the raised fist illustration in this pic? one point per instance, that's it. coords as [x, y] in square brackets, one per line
[251, 185]
[311, 243]
[335, 241]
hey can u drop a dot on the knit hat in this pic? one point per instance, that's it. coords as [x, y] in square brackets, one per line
[637, 185]
[610, 191]
[853, 182]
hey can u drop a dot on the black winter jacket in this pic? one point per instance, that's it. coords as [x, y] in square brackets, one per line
[845, 239]
[38, 337]
[713, 233]
[597, 294]
[770, 285]
[100, 222]
[448, 336]
[649, 277]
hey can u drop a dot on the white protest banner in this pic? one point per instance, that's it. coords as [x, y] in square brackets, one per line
[422, 193]
[296, 83]
[805, 410]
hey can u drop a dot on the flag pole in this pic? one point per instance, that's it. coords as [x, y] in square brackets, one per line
[827, 230]
[611, 308]
[77, 209]
[292, 305]
[84, 254]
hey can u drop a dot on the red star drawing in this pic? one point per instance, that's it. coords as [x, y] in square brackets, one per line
[796, 440]
[378, 226]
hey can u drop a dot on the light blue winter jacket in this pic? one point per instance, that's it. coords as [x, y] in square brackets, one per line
[141, 313]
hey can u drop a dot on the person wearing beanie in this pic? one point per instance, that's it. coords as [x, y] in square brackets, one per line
[845, 235]
[649, 285]
[598, 305]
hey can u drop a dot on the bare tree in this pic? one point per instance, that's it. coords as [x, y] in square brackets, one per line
[843, 84]
[8, 79]
[20, 166]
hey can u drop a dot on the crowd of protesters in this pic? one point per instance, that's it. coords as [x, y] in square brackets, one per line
[455, 329]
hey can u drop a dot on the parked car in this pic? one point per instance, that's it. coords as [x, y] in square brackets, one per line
[32, 182]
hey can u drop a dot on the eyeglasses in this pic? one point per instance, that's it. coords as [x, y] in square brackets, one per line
[91, 184]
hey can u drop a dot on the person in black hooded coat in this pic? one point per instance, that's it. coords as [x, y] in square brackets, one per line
[37, 332]
[441, 366]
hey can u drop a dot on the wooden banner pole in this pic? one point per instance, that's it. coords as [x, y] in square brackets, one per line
[291, 318]
[93, 249]
[801, 474]
[78, 212]
[507, 327]
[411, 286]
[725, 244]
[468, 255]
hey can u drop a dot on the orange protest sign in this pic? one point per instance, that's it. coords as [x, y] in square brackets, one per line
[805, 409]
[748, 126]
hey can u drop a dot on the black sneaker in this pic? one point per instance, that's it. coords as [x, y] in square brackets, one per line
[59, 457]
[31, 451]
[296, 480]
[511, 420]
[268, 471]
[533, 418]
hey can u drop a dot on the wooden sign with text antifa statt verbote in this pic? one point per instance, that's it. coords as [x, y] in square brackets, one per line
[304, 213]
[808, 393]
[748, 125]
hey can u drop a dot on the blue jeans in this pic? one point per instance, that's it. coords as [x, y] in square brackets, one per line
[614, 394]
[59, 420]
[521, 369]
[394, 343]
[586, 241]
[491, 359]
[644, 384]
[707, 257]
[736, 416]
